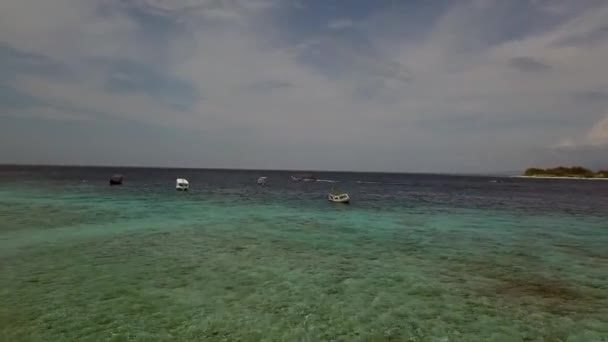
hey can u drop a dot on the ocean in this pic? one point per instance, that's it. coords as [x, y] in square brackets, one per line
[413, 258]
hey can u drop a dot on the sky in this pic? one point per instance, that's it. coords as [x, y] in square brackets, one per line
[359, 85]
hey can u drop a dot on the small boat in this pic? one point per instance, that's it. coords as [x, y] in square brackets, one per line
[262, 180]
[116, 180]
[338, 197]
[182, 184]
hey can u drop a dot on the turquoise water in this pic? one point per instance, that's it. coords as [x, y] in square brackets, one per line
[413, 258]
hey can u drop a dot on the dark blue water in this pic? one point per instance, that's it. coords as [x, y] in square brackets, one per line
[368, 189]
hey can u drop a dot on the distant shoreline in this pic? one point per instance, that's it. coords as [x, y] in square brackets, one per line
[562, 177]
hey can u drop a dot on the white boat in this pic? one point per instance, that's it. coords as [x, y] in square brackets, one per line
[182, 184]
[338, 198]
[262, 180]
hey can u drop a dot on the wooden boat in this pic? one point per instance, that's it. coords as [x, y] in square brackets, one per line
[116, 180]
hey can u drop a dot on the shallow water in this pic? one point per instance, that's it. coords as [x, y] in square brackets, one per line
[413, 258]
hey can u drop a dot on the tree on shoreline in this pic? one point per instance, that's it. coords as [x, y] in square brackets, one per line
[562, 171]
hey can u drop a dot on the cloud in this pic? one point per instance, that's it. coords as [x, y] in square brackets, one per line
[466, 88]
[211, 9]
[596, 137]
[124, 76]
[586, 38]
[598, 95]
[340, 24]
[528, 64]
[88, 98]
[269, 85]
[50, 113]
[15, 62]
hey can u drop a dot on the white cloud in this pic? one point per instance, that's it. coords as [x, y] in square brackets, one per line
[193, 10]
[597, 136]
[195, 6]
[452, 81]
[66, 29]
[174, 5]
[340, 24]
[85, 97]
[50, 113]
[446, 78]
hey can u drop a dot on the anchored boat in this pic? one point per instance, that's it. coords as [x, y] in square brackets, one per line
[116, 180]
[338, 197]
[181, 184]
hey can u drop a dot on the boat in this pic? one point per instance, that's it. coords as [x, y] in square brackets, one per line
[303, 178]
[338, 197]
[181, 184]
[116, 179]
[262, 180]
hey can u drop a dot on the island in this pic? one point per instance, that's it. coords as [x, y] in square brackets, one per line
[566, 172]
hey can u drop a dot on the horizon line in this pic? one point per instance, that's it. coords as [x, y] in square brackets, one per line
[488, 173]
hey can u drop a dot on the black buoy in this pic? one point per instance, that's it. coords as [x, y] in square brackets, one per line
[116, 180]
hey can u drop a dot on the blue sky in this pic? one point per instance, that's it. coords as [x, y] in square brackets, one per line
[383, 85]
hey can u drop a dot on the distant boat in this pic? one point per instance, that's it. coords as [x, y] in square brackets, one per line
[338, 197]
[116, 180]
[303, 178]
[182, 184]
[262, 180]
